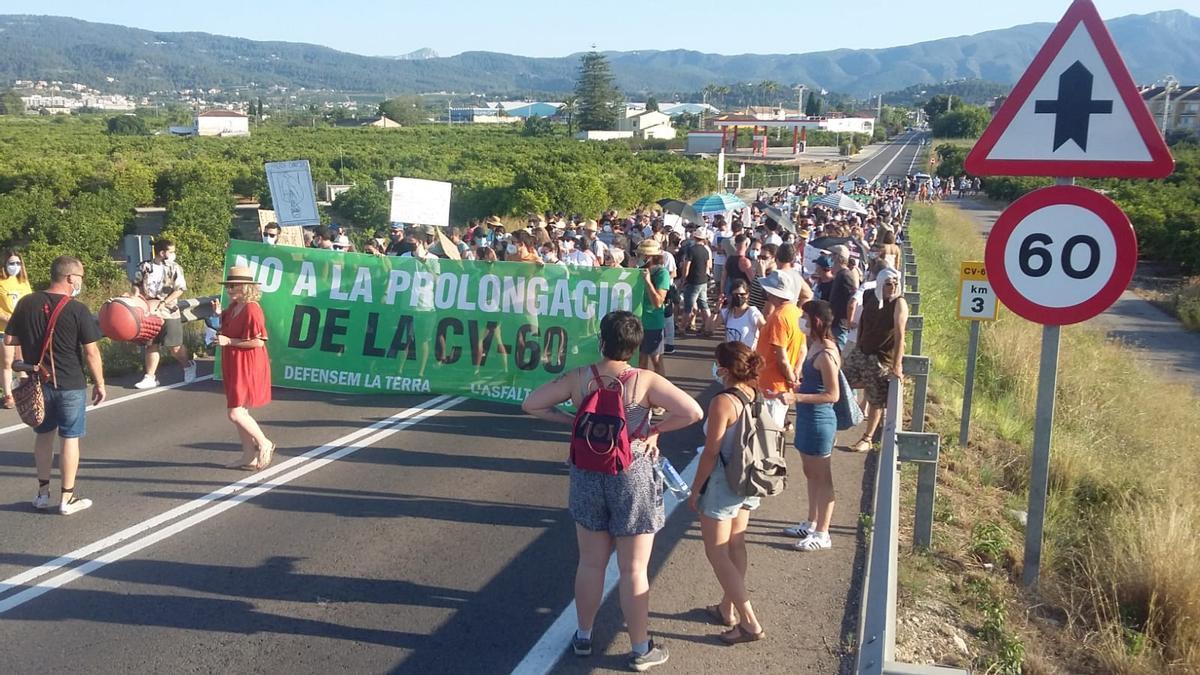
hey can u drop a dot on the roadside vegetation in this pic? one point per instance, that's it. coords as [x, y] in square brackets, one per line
[1120, 590]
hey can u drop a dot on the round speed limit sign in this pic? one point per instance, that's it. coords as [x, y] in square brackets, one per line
[1061, 255]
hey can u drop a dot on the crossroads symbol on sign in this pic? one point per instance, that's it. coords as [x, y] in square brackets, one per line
[1074, 107]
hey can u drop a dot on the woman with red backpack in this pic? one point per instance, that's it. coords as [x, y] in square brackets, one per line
[615, 498]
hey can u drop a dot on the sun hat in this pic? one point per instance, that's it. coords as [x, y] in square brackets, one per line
[781, 285]
[701, 233]
[238, 274]
[649, 247]
[590, 225]
[493, 220]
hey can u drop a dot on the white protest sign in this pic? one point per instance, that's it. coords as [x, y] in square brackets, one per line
[420, 202]
[292, 193]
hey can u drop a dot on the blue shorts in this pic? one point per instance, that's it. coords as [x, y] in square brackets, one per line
[816, 429]
[719, 501]
[65, 411]
[695, 296]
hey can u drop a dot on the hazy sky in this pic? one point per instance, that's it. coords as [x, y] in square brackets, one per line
[558, 28]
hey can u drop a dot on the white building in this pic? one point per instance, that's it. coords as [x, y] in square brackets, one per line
[222, 123]
[651, 124]
[857, 125]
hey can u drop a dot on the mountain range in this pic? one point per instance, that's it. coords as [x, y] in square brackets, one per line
[140, 61]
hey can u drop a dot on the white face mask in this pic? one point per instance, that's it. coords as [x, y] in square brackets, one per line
[511, 249]
[170, 257]
[568, 245]
[647, 231]
[608, 228]
[76, 290]
[716, 373]
[13, 269]
[268, 239]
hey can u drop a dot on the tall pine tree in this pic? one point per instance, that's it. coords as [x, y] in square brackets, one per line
[812, 107]
[600, 104]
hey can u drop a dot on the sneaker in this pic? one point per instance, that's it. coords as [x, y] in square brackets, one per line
[657, 656]
[669, 349]
[147, 382]
[74, 505]
[801, 529]
[41, 501]
[581, 646]
[815, 541]
[189, 372]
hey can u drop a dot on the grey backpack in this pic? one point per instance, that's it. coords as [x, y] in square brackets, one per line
[754, 446]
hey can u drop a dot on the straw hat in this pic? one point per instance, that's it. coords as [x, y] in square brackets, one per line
[493, 220]
[590, 225]
[649, 247]
[238, 274]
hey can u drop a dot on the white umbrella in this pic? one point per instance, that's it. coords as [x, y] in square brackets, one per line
[841, 202]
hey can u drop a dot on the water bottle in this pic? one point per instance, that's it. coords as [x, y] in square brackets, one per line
[673, 480]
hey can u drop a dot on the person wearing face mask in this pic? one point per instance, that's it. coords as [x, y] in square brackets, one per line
[742, 322]
[521, 248]
[576, 254]
[654, 317]
[270, 234]
[14, 285]
[76, 338]
[161, 283]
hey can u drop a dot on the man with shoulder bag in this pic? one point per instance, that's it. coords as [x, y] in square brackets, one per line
[63, 333]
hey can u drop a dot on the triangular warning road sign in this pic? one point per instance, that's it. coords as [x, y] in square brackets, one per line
[1075, 112]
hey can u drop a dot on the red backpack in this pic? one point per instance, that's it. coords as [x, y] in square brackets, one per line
[600, 438]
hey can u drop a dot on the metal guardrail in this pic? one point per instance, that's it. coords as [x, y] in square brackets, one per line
[877, 642]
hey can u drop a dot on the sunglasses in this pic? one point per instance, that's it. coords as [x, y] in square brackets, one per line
[741, 295]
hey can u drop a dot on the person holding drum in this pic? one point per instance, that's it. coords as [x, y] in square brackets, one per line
[245, 367]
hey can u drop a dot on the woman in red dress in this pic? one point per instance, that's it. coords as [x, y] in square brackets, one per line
[245, 368]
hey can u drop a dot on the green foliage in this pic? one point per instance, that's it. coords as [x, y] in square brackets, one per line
[599, 100]
[950, 159]
[977, 92]
[366, 205]
[812, 106]
[937, 106]
[199, 225]
[536, 125]
[989, 541]
[126, 125]
[11, 103]
[651, 104]
[407, 110]
[965, 121]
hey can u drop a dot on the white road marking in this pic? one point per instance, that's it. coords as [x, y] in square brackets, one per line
[553, 644]
[892, 160]
[917, 154]
[117, 401]
[218, 501]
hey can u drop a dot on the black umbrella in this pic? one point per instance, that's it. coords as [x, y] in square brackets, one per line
[681, 209]
[780, 217]
[825, 243]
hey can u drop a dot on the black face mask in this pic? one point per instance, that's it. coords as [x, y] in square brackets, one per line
[404, 247]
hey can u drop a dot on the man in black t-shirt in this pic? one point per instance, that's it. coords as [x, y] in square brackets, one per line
[65, 389]
[695, 269]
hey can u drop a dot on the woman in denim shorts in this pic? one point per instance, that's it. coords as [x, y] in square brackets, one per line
[724, 515]
[623, 510]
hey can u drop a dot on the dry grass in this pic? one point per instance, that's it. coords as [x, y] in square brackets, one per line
[1122, 552]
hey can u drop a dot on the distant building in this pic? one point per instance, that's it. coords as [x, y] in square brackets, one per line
[652, 124]
[603, 135]
[380, 122]
[504, 111]
[1183, 112]
[677, 109]
[222, 123]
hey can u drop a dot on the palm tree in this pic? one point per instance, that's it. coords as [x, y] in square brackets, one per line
[723, 92]
[569, 107]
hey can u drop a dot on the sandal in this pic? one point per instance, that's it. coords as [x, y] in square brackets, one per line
[8, 403]
[737, 635]
[265, 455]
[714, 613]
[863, 445]
[252, 465]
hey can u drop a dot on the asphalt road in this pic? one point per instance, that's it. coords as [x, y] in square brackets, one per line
[897, 159]
[393, 534]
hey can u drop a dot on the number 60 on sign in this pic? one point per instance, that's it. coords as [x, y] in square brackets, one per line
[976, 301]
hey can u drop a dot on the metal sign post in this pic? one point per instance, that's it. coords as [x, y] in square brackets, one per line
[976, 302]
[1039, 469]
[964, 427]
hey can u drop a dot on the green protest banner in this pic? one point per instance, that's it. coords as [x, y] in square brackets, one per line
[356, 324]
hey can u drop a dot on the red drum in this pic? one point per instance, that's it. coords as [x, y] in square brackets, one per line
[129, 320]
